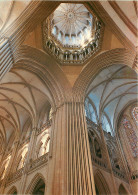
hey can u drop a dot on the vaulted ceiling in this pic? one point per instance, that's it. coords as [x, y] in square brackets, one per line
[110, 91]
[22, 97]
[22, 92]
[10, 11]
[123, 13]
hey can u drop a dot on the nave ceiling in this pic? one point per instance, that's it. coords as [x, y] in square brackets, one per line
[112, 89]
[22, 97]
[23, 93]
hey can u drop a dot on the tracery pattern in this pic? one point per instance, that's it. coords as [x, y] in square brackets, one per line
[44, 147]
[135, 114]
[131, 134]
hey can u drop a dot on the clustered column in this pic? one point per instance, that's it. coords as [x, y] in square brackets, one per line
[70, 166]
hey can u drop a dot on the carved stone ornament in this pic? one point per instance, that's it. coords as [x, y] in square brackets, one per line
[72, 33]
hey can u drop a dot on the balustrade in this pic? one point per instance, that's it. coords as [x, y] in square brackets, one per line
[75, 56]
[99, 162]
[15, 175]
[38, 162]
[44, 126]
[119, 174]
[31, 166]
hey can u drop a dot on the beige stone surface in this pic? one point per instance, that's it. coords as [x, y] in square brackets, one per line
[44, 132]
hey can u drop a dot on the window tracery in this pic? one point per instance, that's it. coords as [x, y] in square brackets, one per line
[5, 168]
[44, 147]
[41, 150]
[131, 134]
[135, 114]
[22, 159]
[39, 188]
[47, 145]
[50, 114]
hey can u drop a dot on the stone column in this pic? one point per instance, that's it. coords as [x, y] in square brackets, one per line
[70, 167]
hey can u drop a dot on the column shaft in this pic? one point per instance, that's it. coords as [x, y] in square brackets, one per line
[70, 167]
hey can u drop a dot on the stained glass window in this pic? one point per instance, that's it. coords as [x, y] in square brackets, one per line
[130, 131]
[135, 114]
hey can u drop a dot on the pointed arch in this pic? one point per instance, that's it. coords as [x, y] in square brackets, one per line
[40, 149]
[102, 187]
[21, 158]
[101, 61]
[47, 70]
[12, 191]
[122, 190]
[34, 182]
[97, 148]
[42, 144]
[47, 144]
[43, 117]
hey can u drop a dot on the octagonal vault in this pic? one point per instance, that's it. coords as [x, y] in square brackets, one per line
[72, 33]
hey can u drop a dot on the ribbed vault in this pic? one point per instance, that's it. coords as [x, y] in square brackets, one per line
[37, 81]
[29, 87]
[110, 90]
[22, 95]
[103, 60]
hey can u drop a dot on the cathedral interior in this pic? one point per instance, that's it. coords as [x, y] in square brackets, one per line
[68, 97]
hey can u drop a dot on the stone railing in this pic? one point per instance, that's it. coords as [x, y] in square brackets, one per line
[30, 166]
[44, 126]
[38, 162]
[15, 175]
[118, 173]
[77, 56]
[99, 162]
